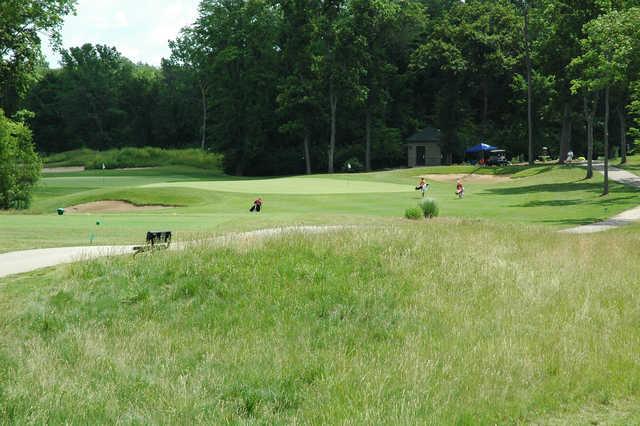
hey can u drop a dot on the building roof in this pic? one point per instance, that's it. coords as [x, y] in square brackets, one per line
[428, 134]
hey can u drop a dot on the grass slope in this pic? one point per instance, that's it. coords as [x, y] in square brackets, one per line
[441, 323]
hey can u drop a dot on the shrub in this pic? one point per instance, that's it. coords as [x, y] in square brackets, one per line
[19, 164]
[137, 157]
[429, 207]
[413, 213]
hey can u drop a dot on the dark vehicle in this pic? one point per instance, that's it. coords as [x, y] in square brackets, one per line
[498, 157]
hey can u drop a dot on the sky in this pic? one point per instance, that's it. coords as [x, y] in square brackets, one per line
[139, 29]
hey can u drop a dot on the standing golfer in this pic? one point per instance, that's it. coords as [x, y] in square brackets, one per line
[459, 189]
[257, 205]
[422, 186]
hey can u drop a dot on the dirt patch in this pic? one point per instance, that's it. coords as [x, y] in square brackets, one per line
[63, 169]
[466, 178]
[110, 207]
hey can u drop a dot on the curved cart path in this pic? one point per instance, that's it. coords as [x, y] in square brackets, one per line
[625, 218]
[18, 262]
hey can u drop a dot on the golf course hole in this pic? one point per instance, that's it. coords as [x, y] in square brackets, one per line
[110, 206]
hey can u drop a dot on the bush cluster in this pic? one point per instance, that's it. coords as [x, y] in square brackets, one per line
[427, 207]
[137, 157]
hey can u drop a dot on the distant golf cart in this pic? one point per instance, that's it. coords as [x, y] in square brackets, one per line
[498, 157]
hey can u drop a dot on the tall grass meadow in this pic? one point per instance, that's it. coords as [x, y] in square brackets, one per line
[447, 324]
[136, 157]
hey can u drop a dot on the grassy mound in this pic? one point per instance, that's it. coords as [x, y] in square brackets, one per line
[136, 157]
[449, 323]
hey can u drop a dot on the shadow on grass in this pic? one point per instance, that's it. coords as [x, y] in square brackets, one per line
[547, 187]
[571, 222]
[574, 202]
[550, 203]
[535, 170]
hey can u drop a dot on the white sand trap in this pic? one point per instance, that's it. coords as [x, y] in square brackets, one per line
[466, 178]
[63, 169]
[110, 207]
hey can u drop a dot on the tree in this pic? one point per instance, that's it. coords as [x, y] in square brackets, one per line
[297, 100]
[338, 63]
[470, 57]
[525, 6]
[19, 164]
[610, 47]
[21, 24]
[188, 52]
[386, 28]
[239, 50]
[98, 99]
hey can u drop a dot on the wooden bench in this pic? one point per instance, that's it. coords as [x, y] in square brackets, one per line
[156, 240]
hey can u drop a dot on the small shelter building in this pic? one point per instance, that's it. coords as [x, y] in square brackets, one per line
[424, 148]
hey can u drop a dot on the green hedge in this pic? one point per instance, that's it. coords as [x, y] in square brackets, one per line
[136, 157]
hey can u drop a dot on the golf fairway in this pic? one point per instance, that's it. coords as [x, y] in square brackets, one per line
[291, 185]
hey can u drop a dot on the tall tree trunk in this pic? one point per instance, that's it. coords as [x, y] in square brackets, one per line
[367, 150]
[605, 190]
[623, 133]
[485, 104]
[203, 93]
[589, 112]
[242, 161]
[333, 99]
[307, 156]
[529, 91]
[565, 134]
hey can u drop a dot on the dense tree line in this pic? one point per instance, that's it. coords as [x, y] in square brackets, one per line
[293, 86]
[22, 22]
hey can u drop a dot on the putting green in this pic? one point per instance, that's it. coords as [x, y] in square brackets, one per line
[290, 185]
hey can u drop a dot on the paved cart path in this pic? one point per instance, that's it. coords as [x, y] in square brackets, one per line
[18, 262]
[625, 218]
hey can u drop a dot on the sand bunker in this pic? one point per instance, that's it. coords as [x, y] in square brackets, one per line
[110, 206]
[63, 169]
[466, 178]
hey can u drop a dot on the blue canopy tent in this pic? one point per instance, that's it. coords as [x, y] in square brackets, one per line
[480, 148]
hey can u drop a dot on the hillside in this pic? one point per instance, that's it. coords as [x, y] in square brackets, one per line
[439, 323]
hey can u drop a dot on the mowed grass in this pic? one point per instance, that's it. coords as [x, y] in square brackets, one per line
[291, 185]
[440, 322]
[208, 204]
[632, 165]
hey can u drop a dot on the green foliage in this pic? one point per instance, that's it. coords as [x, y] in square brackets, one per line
[429, 207]
[22, 24]
[413, 213]
[19, 164]
[290, 86]
[137, 157]
[634, 108]
[352, 165]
